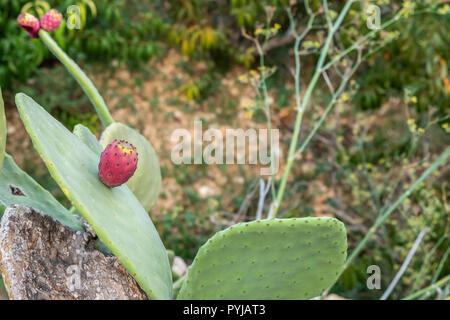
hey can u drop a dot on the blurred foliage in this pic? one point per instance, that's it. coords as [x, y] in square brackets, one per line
[19, 55]
[212, 30]
[376, 162]
[411, 58]
[66, 100]
[110, 29]
[415, 64]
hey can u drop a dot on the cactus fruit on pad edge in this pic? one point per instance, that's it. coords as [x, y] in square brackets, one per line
[115, 214]
[118, 162]
[146, 181]
[268, 259]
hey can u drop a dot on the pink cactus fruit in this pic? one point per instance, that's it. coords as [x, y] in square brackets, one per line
[29, 23]
[118, 162]
[51, 20]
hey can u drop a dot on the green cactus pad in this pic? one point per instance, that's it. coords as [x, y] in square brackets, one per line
[146, 181]
[268, 259]
[88, 138]
[17, 187]
[115, 214]
[2, 130]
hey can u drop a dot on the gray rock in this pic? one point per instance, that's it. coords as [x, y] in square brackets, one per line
[42, 259]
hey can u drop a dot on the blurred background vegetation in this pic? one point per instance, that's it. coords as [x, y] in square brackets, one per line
[394, 121]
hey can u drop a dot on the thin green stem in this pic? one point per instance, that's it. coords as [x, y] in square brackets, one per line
[419, 278]
[82, 79]
[405, 264]
[267, 111]
[411, 149]
[440, 160]
[441, 265]
[429, 289]
[302, 107]
[367, 37]
[375, 196]
[332, 102]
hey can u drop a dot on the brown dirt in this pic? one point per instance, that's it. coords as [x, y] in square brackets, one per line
[158, 124]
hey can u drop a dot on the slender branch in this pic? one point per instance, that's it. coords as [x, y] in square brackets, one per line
[430, 253]
[441, 265]
[405, 264]
[85, 83]
[367, 36]
[263, 190]
[301, 108]
[267, 112]
[382, 217]
[327, 80]
[429, 289]
[330, 106]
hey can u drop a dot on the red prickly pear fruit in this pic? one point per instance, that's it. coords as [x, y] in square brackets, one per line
[29, 23]
[51, 20]
[118, 162]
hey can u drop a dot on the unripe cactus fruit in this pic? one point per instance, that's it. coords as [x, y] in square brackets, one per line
[29, 23]
[51, 20]
[118, 162]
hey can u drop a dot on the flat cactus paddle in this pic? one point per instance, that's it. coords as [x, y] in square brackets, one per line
[88, 138]
[115, 214]
[268, 259]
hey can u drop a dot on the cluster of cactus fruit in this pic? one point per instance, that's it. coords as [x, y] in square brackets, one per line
[295, 258]
[49, 22]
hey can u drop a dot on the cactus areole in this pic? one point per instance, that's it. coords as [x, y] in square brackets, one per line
[118, 162]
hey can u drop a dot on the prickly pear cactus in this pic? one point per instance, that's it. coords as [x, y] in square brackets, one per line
[116, 215]
[146, 181]
[88, 138]
[17, 187]
[268, 259]
[2, 131]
